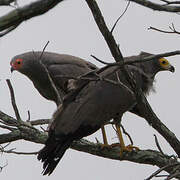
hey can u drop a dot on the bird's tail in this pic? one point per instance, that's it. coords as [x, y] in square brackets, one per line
[52, 153]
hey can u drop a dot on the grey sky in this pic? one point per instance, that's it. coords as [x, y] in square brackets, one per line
[70, 28]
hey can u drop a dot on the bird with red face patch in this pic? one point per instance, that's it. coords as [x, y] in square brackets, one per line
[59, 66]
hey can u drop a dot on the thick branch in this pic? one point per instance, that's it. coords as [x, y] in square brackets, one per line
[10, 137]
[21, 14]
[157, 7]
[6, 2]
[40, 122]
[142, 156]
[114, 48]
[8, 120]
[156, 123]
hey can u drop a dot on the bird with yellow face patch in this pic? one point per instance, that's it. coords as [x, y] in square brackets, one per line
[59, 64]
[96, 103]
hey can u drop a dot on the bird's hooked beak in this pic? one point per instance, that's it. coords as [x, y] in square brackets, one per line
[12, 69]
[172, 69]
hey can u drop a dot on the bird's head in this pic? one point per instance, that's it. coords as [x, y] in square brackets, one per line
[165, 65]
[156, 65]
[16, 64]
[26, 63]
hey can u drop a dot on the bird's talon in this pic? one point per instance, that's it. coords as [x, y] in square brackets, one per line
[128, 148]
[103, 146]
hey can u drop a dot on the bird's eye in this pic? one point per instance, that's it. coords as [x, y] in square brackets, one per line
[18, 61]
[164, 62]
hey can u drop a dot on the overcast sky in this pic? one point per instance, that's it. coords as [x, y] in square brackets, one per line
[71, 29]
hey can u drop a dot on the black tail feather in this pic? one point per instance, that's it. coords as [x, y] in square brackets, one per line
[52, 153]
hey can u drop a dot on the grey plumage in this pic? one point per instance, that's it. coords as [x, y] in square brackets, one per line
[96, 103]
[81, 115]
[58, 65]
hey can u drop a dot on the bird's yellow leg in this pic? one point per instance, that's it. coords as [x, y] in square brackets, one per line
[121, 140]
[104, 136]
[128, 148]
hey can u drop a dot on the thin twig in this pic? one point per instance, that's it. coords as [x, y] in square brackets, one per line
[163, 175]
[103, 62]
[118, 79]
[126, 133]
[59, 98]
[120, 17]
[172, 28]
[13, 101]
[29, 116]
[157, 144]
[9, 123]
[44, 48]
[1, 167]
[7, 145]
[171, 176]
[3, 33]
[11, 151]
[44, 130]
[162, 169]
[7, 127]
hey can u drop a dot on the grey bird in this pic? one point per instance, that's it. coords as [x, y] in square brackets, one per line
[59, 66]
[95, 103]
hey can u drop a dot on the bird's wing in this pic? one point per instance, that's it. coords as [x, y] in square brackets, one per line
[53, 58]
[94, 105]
[64, 67]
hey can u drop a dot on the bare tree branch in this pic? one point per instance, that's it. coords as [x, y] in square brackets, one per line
[162, 169]
[1, 167]
[157, 7]
[36, 136]
[127, 134]
[3, 33]
[120, 17]
[170, 2]
[157, 144]
[17, 16]
[114, 48]
[13, 101]
[7, 127]
[172, 28]
[58, 94]
[10, 137]
[40, 122]
[10, 121]
[6, 2]
[11, 151]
